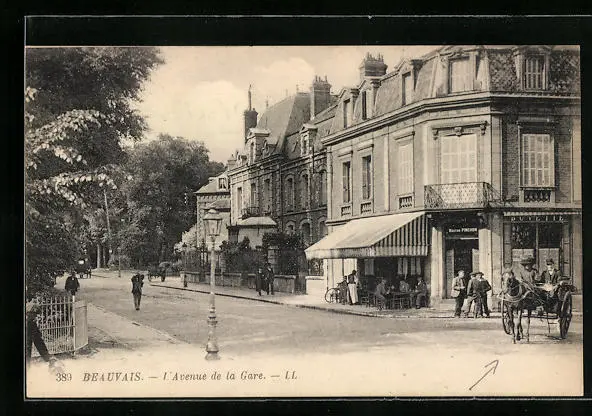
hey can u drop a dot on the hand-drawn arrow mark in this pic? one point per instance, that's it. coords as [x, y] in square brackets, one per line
[491, 369]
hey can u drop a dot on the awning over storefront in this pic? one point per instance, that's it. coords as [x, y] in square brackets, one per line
[383, 236]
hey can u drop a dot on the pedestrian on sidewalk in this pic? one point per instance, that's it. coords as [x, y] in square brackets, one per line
[259, 279]
[137, 283]
[352, 287]
[269, 277]
[474, 296]
[483, 288]
[72, 284]
[459, 291]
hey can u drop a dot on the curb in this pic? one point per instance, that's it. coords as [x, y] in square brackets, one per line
[326, 309]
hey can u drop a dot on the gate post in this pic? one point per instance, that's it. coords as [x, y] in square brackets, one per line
[272, 257]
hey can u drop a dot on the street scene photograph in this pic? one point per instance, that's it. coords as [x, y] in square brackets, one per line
[303, 221]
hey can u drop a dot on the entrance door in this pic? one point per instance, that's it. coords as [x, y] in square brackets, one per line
[461, 254]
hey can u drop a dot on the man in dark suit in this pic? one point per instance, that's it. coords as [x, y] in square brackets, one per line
[459, 291]
[137, 283]
[551, 275]
[269, 278]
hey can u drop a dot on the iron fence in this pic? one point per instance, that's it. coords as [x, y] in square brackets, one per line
[62, 321]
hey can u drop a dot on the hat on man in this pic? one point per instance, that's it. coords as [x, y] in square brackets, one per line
[527, 260]
[550, 261]
[476, 273]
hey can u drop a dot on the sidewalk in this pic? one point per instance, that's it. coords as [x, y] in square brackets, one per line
[313, 301]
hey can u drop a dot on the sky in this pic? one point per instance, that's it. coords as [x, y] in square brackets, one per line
[200, 93]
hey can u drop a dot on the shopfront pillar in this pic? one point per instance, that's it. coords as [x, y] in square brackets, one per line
[436, 264]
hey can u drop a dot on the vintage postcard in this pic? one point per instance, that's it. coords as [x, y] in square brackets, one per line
[303, 221]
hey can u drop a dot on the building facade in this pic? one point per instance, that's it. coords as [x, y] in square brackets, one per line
[215, 194]
[465, 158]
[278, 181]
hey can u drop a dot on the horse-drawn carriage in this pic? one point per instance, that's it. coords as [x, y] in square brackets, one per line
[159, 271]
[552, 301]
[83, 268]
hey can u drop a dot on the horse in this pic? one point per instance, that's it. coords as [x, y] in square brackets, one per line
[520, 296]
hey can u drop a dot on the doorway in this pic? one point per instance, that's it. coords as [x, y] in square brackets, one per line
[461, 254]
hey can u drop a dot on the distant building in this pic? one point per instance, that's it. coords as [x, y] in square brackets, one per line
[278, 180]
[466, 158]
[215, 194]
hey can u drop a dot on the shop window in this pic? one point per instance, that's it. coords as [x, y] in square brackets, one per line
[523, 236]
[549, 235]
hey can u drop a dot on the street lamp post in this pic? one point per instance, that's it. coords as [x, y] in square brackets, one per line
[184, 248]
[213, 222]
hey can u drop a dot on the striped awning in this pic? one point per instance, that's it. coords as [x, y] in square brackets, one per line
[383, 236]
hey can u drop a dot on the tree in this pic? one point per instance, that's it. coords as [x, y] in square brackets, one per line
[77, 113]
[162, 172]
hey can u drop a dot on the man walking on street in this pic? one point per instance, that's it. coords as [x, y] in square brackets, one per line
[72, 284]
[269, 276]
[137, 283]
[459, 291]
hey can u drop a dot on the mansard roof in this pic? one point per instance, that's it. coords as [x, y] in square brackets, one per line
[496, 72]
[285, 117]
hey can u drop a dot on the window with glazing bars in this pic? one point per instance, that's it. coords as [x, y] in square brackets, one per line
[367, 177]
[533, 72]
[346, 181]
[405, 168]
[458, 159]
[537, 160]
[460, 75]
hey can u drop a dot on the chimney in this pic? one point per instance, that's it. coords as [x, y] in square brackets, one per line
[372, 67]
[231, 162]
[320, 96]
[250, 116]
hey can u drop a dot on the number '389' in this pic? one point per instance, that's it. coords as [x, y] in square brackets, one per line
[63, 377]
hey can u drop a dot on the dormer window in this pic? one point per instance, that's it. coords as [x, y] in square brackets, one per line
[407, 89]
[304, 144]
[534, 72]
[346, 119]
[364, 105]
[460, 75]
[532, 67]
[252, 152]
[222, 183]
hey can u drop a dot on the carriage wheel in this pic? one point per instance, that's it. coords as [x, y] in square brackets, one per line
[506, 319]
[331, 295]
[565, 315]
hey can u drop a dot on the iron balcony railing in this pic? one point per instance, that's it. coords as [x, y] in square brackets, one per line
[459, 195]
[252, 211]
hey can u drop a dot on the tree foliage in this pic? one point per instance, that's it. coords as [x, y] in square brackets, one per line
[77, 113]
[161, 173]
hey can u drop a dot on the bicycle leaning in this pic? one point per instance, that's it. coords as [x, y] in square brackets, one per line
[336, 294]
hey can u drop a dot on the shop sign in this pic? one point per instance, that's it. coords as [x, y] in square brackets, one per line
[462, 230]
[538, 218]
